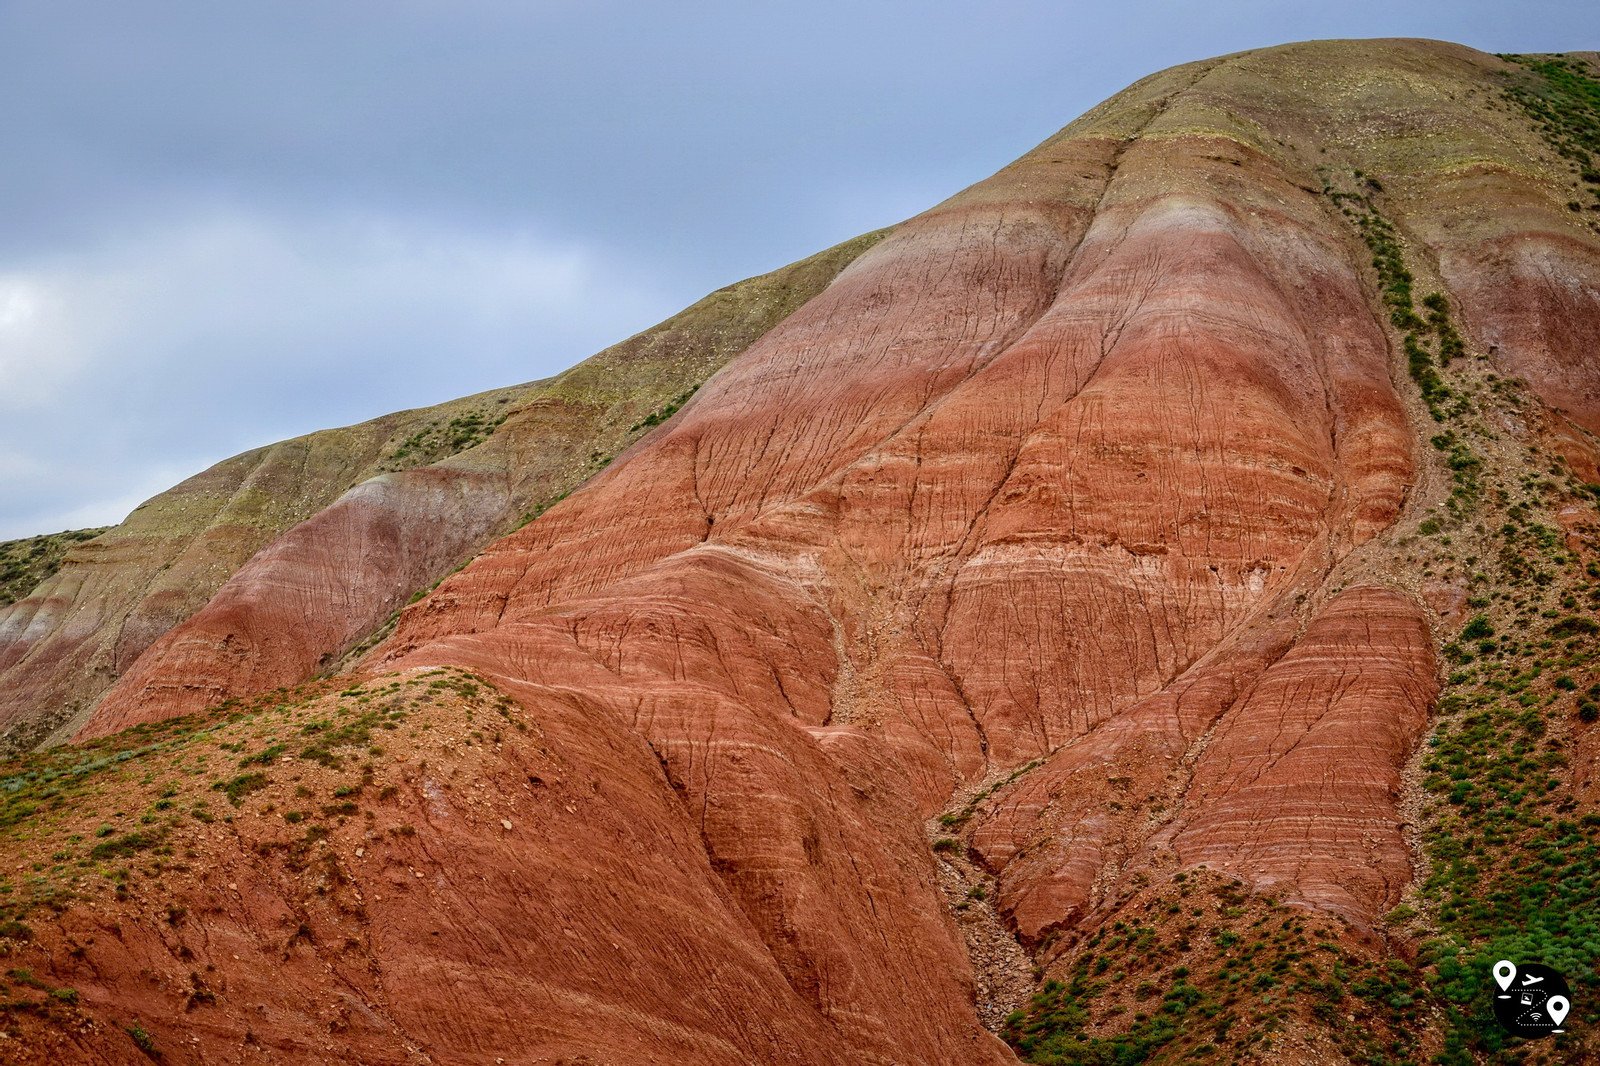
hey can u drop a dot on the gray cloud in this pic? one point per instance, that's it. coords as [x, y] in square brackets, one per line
[223, 224]
[293, 322]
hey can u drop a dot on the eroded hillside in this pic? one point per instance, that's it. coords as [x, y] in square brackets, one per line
[1142, 608]
[343, 526]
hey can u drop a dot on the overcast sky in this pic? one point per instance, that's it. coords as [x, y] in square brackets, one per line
[223, 224]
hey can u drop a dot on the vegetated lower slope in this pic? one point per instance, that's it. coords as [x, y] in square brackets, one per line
[1141, 609]
[26, 562]
[389, 507]
[298, 837]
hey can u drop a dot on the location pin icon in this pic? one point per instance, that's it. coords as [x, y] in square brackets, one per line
[1504, 971]
[1558, 1007]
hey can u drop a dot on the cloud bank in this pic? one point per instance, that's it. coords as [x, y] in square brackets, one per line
[205, 336]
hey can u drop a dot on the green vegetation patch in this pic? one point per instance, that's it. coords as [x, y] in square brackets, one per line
[1562, 99]
[1515, 861]
[21, 992]
[1513, 856]
[329, 738]
[1202, 969]
[25, 563]
[666, 411]
[77, 821]
[440, 439]
[956, 819]
[1430, 340]
[237, 788]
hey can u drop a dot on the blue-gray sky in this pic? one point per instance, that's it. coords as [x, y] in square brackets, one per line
[223, 224]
